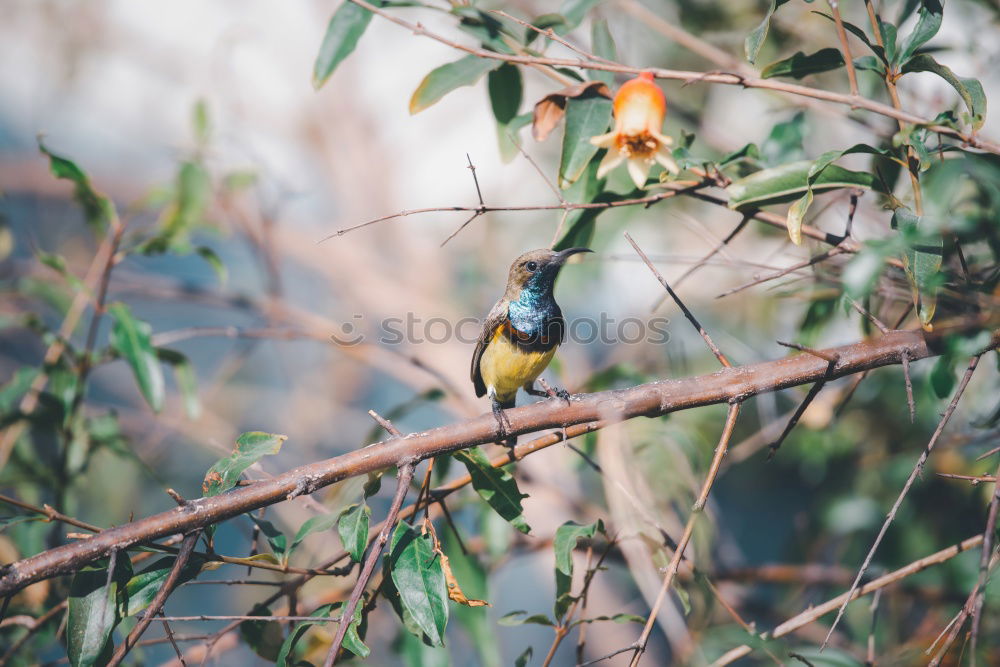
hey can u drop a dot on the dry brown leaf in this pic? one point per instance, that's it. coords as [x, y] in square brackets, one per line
[455, 593]
[550, 109]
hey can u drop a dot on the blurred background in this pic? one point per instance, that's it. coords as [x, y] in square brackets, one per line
[137, 92]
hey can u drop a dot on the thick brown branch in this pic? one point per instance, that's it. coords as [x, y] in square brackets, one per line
[646, 400]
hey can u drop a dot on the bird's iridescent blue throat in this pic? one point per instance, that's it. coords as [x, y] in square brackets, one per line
[535, 308]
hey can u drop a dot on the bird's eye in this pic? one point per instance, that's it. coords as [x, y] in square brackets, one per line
[531, 266]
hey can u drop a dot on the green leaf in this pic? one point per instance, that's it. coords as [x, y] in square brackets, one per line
[346, 26]
[617, 618]
[801, 65]
[496, 486]
[130, 338]
[214, 261]
[586, 116]
[475, 620]
[602, 44]
[784, 141]
[446, 78]
[582, 223]
[12, 392]
[921, 262]
[276, 539]
[507, 136]
[942, 376]
[870, 64]
[250, 448]
[286, 652]
[787, 182]
[265, 638]
[929, 19]
[419, 579]
[970, 90]
[563, 545]
[860, 34]
[57, 263]
[505, 88]
[756, 38]
[504, 85]
[94, 611]
[97, 209]
[781, 177]
[143, 587]
[888, 31]
[749, 152]
[520, 617]
[187, 379]
[525, 657]
[353, 529]
[316, 524]
[194, 192]
[352, 638]
[565, 541]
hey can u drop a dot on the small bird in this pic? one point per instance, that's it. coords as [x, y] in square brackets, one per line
[521, 333]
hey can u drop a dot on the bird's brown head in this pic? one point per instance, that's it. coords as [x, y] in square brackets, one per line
[537, 270]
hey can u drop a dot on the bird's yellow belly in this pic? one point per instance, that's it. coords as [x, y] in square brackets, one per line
[506, 367]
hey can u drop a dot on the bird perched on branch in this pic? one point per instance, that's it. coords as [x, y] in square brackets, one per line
[521, 333]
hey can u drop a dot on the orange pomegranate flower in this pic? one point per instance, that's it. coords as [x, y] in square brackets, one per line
[639, 108]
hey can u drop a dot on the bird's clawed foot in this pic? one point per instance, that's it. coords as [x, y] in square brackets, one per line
[548, 391]
[503, 425]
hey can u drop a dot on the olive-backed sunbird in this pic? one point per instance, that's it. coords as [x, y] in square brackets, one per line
[521, 332]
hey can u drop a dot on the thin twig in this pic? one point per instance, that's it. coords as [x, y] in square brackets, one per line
[712, 253]
[26, 637]
[696, 510]
[861, 377]
[246, 617]
[865, 313]
[814, 613]
[906, 487]
[975, 479]
[956, 623]
[687, 313]
[672, 189]
[480, 210]
[173, 642]
[564, 626]
[815, 259]
[810, 396]
[873, 608]
[852, 77]
[905, 358]
[156, 606]
[725, 78]
[550, 34]
[347, 611]
[984, 559]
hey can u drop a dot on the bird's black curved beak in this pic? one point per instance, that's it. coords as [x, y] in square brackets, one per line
[563, 255]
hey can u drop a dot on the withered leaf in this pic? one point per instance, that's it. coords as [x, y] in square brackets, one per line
[550, 109]
[455, 593]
